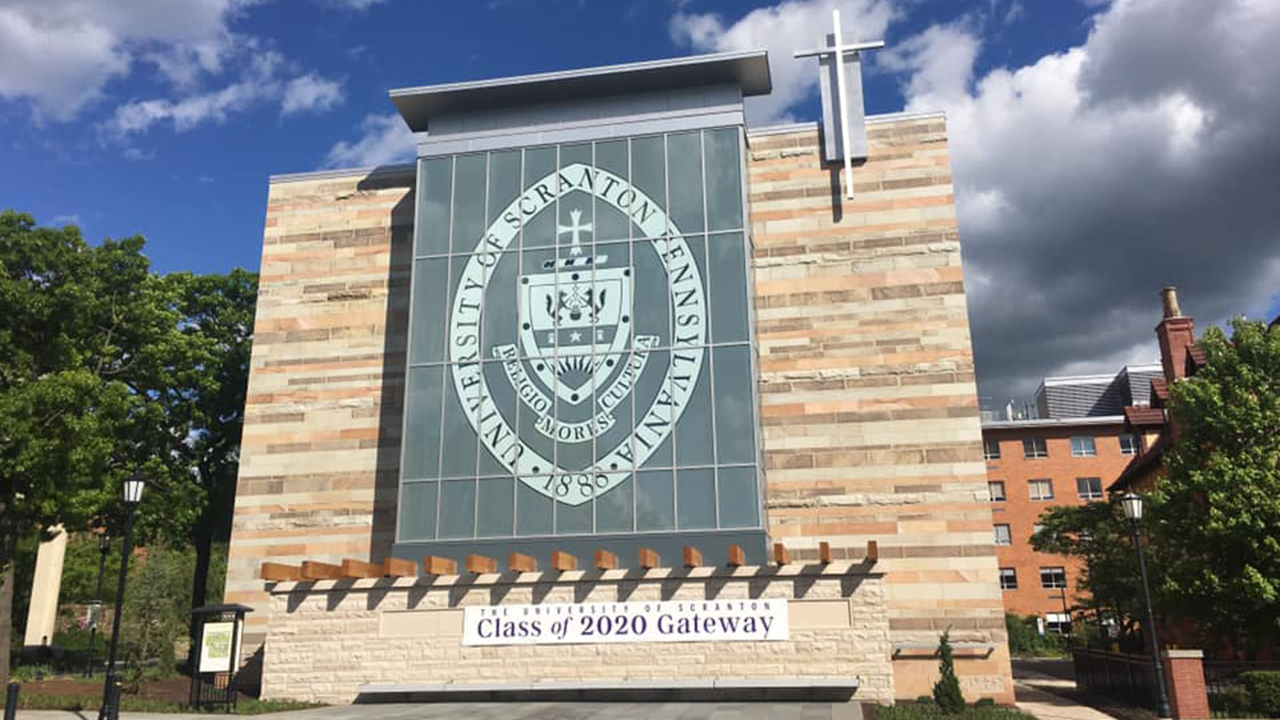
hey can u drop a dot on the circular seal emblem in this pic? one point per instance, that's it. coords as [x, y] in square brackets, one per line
[596, 377]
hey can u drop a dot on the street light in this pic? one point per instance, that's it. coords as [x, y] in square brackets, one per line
[104, 546]
[1132, 505]
[133, 487]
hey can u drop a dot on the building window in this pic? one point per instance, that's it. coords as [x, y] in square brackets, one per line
[1128, 444]
[1008, 579]
[1083, 446]
[1041, 489]
[1053, 577]
[1089, 488]
[990, 449]
[1057, 623]
[995, 489]
[1035, 448]
[1002, 535]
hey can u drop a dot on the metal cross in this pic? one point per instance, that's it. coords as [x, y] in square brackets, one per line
[839, 49]
[576, 228]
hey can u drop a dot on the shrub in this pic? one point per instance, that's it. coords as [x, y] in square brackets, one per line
[946, 692]
[1264, 691]
[1025, 639]
[1230, 701]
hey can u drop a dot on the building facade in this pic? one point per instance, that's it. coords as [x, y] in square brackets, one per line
[592, 320]
[1069, 455]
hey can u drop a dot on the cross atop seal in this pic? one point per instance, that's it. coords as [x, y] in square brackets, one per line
[848, 114]
[577, 227]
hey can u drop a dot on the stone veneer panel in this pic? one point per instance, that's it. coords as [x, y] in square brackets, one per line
[324, 641]
[868, 401]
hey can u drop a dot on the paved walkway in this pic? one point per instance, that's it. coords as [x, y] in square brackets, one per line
[1034, 686]
[522, 711]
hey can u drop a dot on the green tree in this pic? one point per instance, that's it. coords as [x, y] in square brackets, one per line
[946, 692]
[1215, 515]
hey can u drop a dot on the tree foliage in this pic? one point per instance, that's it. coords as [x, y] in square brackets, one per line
[946, 692]
[105, 369]
[1216, 511]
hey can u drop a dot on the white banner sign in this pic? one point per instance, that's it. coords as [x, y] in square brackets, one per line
[215, 650]
[582, 623]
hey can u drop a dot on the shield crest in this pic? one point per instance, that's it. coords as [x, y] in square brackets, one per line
[574, 315]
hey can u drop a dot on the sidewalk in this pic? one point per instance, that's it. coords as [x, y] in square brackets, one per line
[1035, 695]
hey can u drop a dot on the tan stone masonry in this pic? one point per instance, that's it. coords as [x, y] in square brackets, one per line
[326, 638]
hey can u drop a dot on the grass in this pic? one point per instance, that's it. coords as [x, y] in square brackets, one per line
[244, 705]
[921, 711]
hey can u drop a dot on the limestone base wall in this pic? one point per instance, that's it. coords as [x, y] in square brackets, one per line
[326, 638]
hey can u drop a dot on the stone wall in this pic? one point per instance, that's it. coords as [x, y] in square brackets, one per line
[869, 406]
[327, 638]
[320, 454]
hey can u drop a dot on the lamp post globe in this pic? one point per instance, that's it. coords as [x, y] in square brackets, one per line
[133, 487]
[1131, 503]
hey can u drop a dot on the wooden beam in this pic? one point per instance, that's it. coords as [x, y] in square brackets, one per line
[395, 567]
[360, 569]
[519, 562]
[312, 570]
[648, 559]
[279, 572]
[737, 556]
[606, 560]
[563, 561]
[432, 565]
[873, 551]
[780, 554]
[479, 564]
[824, 552]
[692, 558]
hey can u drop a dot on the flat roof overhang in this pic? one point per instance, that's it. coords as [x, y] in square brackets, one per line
[748, 69]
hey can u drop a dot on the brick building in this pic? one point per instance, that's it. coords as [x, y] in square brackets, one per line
[778, 350]
[1069, 455]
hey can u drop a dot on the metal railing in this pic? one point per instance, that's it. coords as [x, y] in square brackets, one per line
[1130, 678]
[1228, 695]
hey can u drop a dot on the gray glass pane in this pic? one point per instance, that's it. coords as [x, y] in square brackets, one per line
[497, 508]
[652, 298]
[684, 178]
[540, 230]
[418, 511]
[694, 431]
[578, 202]
[655, 500]
[422, 425]
[504, 181]
[497, 422]
[465, 347]
[574, 519]
[653, 416]
[614, 508]
[613, 412]
[688, 311]
[697, 492]
[538, 297]
[501, 308]
[457, 508]
[648, 167]
[610, 223]
[735, 410]
[430, 310]
[468, 202]
[739, 506]
[435, 178]
[533, 511]
[729, 298]
[724, 179]
[459, 437]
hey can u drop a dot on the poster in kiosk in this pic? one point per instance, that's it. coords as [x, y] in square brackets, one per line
[217, 629]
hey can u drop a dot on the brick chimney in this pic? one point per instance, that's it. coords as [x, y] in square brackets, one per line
[1176, 333]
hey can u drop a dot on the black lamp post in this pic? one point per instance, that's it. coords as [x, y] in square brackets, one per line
[133, 487]
[104, 546]
[1132, 504]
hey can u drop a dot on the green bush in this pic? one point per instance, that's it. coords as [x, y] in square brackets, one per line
[1264, 691]
[946, 692]
[1230, 701]
[1025, 639]
[914, 711]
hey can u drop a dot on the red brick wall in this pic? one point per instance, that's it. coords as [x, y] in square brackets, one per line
[1021, 513]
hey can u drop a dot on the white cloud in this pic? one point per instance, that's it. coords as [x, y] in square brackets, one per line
[386, 140]
[782, 29]
[310, 93]
[1092, 177]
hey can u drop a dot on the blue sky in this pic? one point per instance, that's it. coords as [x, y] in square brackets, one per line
[165, 118]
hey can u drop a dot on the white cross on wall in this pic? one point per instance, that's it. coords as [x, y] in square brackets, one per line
[575, 216]
[839, 49]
